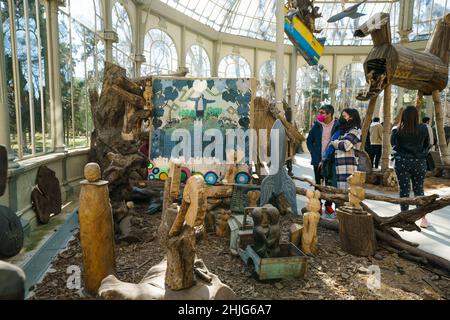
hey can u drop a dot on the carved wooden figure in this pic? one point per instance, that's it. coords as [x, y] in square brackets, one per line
[259, 233]
[253, 197]
[394, 64]
[310, 221]
[96, 229]
[222, 222]
[356, 189]
[274, 233]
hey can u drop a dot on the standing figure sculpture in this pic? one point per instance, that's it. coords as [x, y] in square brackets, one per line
[310, 221]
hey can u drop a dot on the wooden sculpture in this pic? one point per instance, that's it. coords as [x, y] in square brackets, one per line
[310, 221]
[222, 222]
[356, 226]
[278, 181]
[266, 240]
[274, 233]
[259, 233]
[181, 275]
[177, 233]
[356, 189]
[96, 229]
[253, 197]
[393, 64]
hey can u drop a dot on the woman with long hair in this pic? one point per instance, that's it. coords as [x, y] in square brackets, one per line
[410, 142]
[345, 142]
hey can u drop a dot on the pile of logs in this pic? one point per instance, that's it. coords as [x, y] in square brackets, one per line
[405, 220]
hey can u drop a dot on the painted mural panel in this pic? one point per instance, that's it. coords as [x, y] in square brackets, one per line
[181, 103]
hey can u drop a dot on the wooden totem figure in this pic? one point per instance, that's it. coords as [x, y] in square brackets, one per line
[96, 229]
[310, 221]
[356, 192]
[393, 64]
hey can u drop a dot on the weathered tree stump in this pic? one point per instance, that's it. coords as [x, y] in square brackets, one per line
[356, 232]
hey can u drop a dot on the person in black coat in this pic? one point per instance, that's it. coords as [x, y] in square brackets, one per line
[411, 144]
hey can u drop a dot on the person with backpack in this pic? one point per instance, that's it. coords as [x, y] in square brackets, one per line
[411, 143]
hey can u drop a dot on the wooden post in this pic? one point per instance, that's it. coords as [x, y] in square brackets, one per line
[386, 128]
[368, 120]
[439, 115]
[96, 229]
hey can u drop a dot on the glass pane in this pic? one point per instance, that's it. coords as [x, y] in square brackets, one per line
[6, 28]
[234, 66]
[197, 61]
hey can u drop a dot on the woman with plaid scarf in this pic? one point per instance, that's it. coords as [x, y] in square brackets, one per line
[345, 143]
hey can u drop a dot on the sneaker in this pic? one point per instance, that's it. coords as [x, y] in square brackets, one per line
[424, 223]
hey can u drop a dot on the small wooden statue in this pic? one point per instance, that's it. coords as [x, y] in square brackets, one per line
[274, 234]
[259, 233]
[356, 189]
[266, 241]
[148, 95]
[222, 222]
[310, 221]
[253, 197]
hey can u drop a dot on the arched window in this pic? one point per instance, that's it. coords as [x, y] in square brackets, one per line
[266, 80]
[197, 61]
[313, 90]
[122, 50]
[81, 56]
[351, 81]
[234, 66]
[160, 53]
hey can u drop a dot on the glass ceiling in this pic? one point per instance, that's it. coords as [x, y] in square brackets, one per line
[256, 18]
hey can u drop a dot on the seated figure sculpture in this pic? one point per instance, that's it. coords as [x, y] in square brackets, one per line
[266, 242]
[274, 234]
[259, 233]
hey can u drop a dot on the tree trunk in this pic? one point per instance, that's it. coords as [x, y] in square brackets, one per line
[439, 115]
[368, 120]
[356, 232]
[386, 128]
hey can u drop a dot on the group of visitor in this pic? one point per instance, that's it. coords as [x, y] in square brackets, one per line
[335, 143]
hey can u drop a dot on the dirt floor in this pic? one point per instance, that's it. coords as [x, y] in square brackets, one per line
[331, 274]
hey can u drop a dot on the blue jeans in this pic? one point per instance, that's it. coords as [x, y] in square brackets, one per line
[410, 171]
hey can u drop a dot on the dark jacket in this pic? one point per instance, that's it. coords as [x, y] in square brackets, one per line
[314, 141]
[409, 146]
